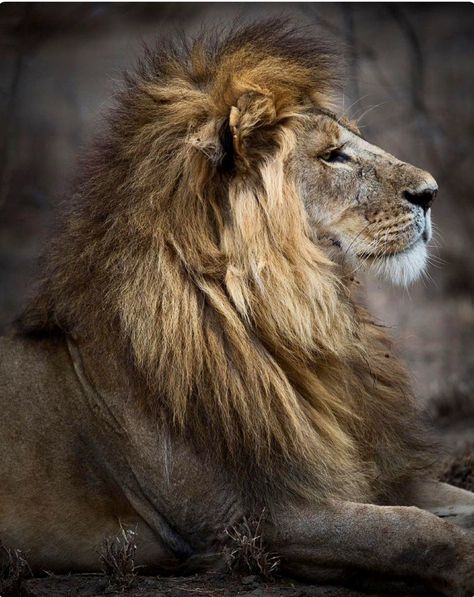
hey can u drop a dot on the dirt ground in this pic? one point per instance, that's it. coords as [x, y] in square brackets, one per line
[201, 585]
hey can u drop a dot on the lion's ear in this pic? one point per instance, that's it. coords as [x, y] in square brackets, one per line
[244, 134]
[254, 111]
[206, 141]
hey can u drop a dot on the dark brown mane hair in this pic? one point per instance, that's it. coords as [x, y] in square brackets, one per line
[185, 251]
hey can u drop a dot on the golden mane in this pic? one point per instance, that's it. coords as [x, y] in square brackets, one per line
[185, 253]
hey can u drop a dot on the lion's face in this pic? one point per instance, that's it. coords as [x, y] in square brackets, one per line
[370, 208]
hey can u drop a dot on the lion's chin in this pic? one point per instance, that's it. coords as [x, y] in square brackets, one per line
[401, 269]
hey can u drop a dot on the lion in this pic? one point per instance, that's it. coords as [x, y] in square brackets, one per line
[195, 352]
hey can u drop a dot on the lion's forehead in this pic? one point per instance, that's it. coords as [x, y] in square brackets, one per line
[358, 146]
[321, 132]
[327, 132]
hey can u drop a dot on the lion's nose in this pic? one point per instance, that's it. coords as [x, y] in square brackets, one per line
[423, 197]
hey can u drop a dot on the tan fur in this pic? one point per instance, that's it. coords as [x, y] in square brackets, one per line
[206, 276]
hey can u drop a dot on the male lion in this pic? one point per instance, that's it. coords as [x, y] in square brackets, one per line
[193, 352]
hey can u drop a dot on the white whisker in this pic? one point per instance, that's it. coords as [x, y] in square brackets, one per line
[359, 118]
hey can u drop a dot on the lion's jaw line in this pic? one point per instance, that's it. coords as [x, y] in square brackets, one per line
[402, 268]
[405, 267]
[399, 269]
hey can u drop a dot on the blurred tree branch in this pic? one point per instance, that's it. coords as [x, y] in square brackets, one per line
[8, 145]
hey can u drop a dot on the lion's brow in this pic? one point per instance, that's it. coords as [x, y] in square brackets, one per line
[337, 119]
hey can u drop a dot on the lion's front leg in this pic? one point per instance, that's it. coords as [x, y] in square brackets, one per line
[446, 501]
[395, 541]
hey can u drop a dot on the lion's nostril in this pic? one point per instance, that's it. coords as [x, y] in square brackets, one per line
[423, 198]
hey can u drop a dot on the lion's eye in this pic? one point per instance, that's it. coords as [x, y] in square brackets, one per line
[335, 155]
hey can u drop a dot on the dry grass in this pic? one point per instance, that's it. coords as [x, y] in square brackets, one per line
[13, 571]
[117, 557]
[246, 551]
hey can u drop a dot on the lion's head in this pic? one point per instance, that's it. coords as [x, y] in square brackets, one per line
[199, 250]
[373, 208]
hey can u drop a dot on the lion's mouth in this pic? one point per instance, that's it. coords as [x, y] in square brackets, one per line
[401, 267]
[371, 258]
[390, 253]
[422, 239]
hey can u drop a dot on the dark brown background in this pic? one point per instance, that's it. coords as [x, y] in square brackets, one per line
[409, 77]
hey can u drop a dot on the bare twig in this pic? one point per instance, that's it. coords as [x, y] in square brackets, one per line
[13, 572]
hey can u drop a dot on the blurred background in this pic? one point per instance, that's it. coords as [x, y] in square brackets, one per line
[409, 81]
